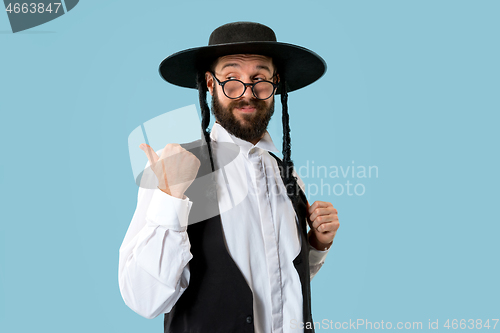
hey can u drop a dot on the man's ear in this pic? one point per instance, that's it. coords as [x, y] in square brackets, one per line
[277, 80]
[210, 82]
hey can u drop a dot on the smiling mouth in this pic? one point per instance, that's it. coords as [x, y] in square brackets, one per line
[247, 109]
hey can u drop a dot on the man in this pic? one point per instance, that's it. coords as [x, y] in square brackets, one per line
[246, 268]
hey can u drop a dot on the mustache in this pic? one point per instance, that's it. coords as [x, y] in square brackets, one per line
[258, 104]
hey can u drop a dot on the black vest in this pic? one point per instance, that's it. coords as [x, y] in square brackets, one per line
[218, 298]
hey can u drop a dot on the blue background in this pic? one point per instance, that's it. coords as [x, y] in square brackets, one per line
[412, 87]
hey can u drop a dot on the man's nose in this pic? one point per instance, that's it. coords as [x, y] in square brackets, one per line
[248, 94]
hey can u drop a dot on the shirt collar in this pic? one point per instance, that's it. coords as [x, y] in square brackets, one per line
[220, 134]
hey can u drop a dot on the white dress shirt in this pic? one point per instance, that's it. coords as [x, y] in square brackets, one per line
[260, 229]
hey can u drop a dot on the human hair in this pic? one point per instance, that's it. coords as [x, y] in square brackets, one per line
[205, 112]
[288, 178]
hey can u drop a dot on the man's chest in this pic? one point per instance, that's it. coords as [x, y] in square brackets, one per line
[257, 217]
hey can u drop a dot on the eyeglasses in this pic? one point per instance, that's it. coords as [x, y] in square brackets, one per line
[234, 89]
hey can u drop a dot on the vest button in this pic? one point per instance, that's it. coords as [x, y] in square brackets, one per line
[249, 319]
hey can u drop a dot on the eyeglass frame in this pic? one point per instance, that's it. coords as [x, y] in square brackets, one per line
[252, 85]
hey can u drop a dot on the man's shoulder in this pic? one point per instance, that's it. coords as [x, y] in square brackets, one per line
[193, 144]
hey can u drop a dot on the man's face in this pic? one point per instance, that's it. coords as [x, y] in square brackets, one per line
[246, 117]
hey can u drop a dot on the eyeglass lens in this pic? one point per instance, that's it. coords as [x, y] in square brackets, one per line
[262, 90]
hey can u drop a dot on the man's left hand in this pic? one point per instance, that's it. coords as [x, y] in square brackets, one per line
[324, 222]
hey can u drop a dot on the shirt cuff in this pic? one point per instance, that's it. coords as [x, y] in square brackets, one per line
[169, 211]
[317, 257]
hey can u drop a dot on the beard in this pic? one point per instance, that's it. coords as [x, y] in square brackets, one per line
[253, 126]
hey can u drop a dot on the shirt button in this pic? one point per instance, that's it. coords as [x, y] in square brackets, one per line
[249, 319]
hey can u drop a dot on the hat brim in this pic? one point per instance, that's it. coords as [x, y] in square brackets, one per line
[299, 65]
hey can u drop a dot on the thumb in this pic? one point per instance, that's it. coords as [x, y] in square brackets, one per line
[150, 153]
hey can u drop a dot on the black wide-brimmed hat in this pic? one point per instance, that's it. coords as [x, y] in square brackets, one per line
[298, 65]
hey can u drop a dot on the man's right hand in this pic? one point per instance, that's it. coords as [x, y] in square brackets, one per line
[175, 169]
